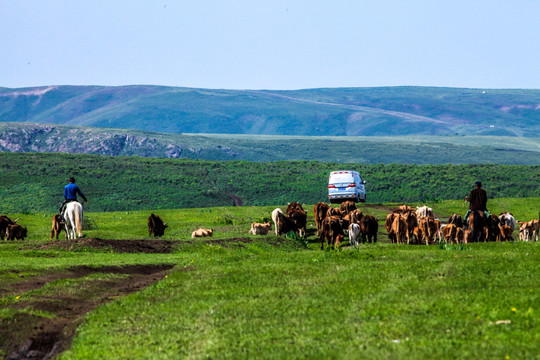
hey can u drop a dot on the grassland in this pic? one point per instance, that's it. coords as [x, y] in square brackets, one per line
[266, 297]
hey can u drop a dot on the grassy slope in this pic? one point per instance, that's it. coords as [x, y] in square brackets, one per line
[256, 300]
[348, 111]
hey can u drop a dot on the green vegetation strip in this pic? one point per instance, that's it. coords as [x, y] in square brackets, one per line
[33, 183]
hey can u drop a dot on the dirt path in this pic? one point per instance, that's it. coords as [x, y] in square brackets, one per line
[237, 200]
[29, 336]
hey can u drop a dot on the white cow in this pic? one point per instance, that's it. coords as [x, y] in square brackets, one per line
[355, 234]
[507, 218]
[423, 212]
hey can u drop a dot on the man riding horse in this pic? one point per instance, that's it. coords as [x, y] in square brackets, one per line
[70, 194]
[477, 201]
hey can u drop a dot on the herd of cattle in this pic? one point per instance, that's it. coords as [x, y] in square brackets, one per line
[403, 225]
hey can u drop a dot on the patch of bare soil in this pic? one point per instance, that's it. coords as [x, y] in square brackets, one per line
[149, 246]
[28, 336]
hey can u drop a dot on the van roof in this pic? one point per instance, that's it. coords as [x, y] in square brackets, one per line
[343, 172]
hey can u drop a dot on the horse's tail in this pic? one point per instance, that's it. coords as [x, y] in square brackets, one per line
[78, 210]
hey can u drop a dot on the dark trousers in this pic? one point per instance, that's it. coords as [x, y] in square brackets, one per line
[61, 210]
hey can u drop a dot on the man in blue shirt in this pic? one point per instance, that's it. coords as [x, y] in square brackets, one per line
[70, 193]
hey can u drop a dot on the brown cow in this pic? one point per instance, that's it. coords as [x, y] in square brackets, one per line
[295, 205]
[333, 212]
[388, 225]
[57, 226]
[319, 212]
[369, 227]
[467, 236]
[491, 228]
[460, 235]
[347, 207]
[260, 229]
[410, 219]
[505, 233]
[4, 223]
[202, 232]
[450, 233]
[332, 231]
[16, 231]
[355, 216]
[456, 220]
[283, 224]
[156, 225]
[429, 229]
[476, 222]
[417, 233]
[399, 228]
[299, 218]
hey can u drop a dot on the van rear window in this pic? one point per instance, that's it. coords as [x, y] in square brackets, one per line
[341, 178]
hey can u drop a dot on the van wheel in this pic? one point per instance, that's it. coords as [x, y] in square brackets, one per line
[364, 199]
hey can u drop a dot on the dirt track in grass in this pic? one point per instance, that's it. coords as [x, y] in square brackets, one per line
[30, 336]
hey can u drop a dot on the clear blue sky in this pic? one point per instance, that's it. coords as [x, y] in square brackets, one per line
[271, 44]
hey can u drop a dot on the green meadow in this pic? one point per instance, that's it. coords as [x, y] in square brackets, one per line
[270, 297]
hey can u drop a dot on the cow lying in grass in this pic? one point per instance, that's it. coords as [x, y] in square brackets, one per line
[260, 229]
[201, 232]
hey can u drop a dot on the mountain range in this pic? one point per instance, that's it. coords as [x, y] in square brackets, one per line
[381, 111]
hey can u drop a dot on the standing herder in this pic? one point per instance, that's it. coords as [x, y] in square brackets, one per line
[70, 193]
[477, 200]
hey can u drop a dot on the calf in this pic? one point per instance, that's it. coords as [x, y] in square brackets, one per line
[449, 233]
[156, 225]
[417, 233]
[505, 233]
[355, 234]
[16, 231]
[201, 232]
[57, 226]
[260, 229]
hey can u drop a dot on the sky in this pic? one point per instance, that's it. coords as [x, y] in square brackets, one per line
[271, 44]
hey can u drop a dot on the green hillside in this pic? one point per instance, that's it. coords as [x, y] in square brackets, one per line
[34, 182]
[314, 112]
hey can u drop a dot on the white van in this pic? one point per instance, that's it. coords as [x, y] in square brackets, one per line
[346, 185]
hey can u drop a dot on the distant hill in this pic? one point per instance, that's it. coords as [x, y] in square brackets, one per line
[25, 137]
[383, 111]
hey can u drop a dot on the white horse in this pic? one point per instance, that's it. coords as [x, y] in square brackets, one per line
[73, 217]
